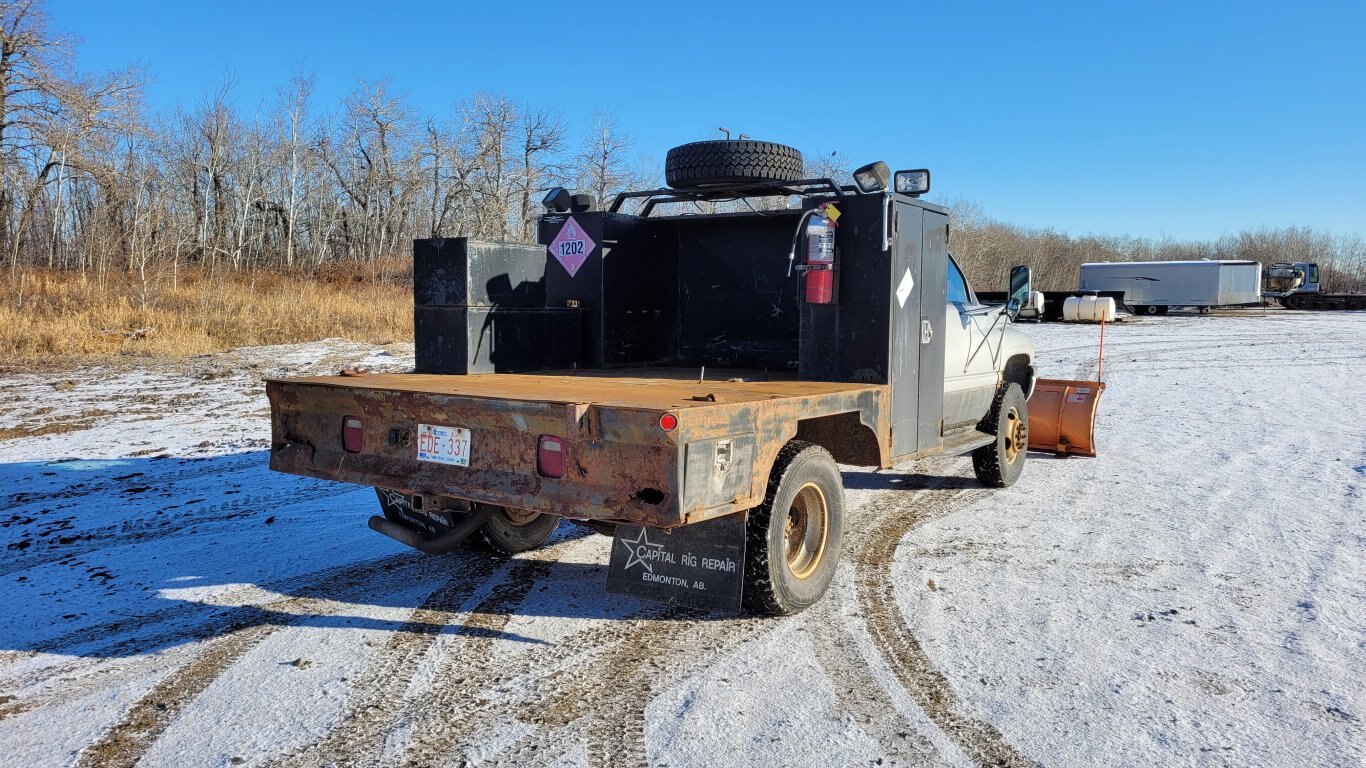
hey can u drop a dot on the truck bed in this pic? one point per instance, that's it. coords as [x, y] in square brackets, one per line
[647, 388]
[624, 465]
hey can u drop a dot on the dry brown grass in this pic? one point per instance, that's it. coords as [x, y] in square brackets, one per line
[56, 316]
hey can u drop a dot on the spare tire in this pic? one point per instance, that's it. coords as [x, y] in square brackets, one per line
[702, 163]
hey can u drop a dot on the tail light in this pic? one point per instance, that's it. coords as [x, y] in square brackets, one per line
[353, 434]
[550, 456]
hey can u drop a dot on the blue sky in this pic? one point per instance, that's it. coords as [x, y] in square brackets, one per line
[1188, 119]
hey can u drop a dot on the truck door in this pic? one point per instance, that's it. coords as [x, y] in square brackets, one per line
[933, 270]
[919, 250]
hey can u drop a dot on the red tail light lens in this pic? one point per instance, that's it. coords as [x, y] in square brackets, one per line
[353, 434]
[550, 456]
[668, 422]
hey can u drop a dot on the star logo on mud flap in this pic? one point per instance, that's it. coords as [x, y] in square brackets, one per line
[641, 549]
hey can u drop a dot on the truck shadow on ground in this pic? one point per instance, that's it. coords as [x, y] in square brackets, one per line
[98, 556]
[892, 480]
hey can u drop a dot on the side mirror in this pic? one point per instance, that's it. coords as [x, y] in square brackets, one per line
[1019, 291]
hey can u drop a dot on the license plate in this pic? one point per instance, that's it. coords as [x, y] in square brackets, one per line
[443, 445]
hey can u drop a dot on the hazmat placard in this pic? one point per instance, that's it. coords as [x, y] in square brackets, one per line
[572, 246]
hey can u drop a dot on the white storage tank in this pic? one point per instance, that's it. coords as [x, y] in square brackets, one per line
[1086, 310]
[1103, 311]
[1069, 309]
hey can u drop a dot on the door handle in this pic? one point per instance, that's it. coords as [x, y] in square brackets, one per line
[926, 331]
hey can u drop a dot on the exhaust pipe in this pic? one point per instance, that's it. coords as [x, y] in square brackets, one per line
[441, 545]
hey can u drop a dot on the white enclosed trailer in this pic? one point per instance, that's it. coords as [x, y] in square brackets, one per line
[1152, 287]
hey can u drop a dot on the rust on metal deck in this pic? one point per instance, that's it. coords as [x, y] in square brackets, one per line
[648, 388]
[621, 465]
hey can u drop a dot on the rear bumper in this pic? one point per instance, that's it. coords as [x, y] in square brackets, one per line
[629, 491]
[619, 465]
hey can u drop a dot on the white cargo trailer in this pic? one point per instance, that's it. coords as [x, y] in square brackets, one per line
[1153, 287]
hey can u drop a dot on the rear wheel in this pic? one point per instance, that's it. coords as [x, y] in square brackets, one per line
[999, 464]
[1162, 310]
[510, 531]
[795, 536]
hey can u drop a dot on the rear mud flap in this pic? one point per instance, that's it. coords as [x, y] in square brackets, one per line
[699, 566]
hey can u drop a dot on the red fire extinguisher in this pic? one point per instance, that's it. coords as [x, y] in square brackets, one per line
[820, 256]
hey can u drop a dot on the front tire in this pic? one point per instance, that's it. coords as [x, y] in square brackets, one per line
[999, 464]
[795, 536]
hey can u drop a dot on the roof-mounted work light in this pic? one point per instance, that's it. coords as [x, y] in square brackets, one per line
[872, 177]
[914, 183]
[557, 200]
[581, 202]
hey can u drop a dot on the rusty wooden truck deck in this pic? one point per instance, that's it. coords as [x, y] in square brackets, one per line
[652, 446]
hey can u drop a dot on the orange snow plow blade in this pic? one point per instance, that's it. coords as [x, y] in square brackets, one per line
[1062, 416]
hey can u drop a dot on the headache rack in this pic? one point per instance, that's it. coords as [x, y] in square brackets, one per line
[720, 192]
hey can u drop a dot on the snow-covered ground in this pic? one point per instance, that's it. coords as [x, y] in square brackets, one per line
[1196, 595]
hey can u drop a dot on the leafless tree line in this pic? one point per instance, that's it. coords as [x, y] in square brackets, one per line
[91, 179]
[988, 249]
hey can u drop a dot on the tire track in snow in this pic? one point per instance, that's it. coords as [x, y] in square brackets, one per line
[152, 527]
[88, 668]
[860, 694]
[91, 669]
[324, 580]
[926, 685]
[604, 702]
[455, 716]
[359, 737]
[149, 717]
[378, 690]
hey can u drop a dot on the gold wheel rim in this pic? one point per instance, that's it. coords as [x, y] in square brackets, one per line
[805, 531]
[1017, 434]
[519, 517]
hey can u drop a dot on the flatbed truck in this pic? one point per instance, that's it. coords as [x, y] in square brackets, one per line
[682, 382]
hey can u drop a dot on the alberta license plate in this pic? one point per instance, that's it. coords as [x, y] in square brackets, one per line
[443, 445]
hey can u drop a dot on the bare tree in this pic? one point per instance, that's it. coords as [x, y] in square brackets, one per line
[603, 163]
[292, 112]
[543, 135]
